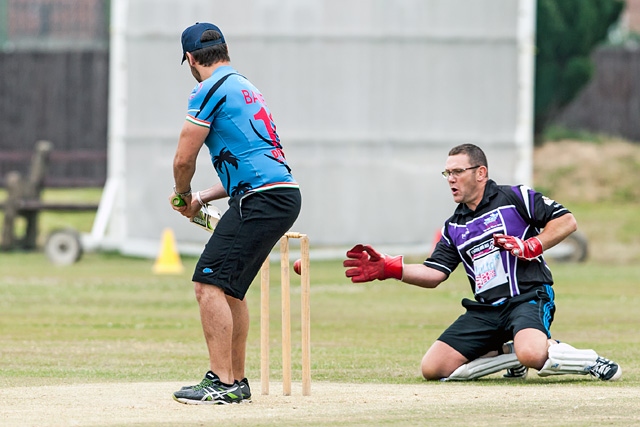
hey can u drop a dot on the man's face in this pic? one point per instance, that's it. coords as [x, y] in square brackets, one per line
[463, 180]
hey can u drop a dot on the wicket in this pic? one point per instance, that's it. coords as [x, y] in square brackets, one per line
[305, 311]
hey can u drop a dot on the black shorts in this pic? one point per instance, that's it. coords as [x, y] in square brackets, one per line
[244, 237]
[484, 328]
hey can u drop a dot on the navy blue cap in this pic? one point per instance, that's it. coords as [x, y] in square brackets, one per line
[191, 38]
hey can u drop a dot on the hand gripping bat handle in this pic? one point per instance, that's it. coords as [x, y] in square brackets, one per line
[177, 201]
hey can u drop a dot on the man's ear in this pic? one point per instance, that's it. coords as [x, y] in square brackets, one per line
[482, 173]
[190, 59]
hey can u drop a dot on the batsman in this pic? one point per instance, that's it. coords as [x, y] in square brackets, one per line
[499, 234]
[229, 115]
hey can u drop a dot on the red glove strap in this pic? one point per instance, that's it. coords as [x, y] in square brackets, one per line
[532, 248]
[393, 267]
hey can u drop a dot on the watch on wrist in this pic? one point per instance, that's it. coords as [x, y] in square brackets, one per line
[185, 194]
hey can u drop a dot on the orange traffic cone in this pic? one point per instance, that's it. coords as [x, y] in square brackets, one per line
[168, 260]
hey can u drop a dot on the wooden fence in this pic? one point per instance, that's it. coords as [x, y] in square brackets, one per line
[61, 97]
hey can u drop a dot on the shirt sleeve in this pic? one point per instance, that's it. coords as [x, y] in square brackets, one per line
[195, 106]
[445, 256]
[536, 208]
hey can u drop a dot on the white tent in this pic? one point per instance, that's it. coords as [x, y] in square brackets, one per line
[368, 97]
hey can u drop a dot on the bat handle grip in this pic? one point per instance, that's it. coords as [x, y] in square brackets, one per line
[177, 201]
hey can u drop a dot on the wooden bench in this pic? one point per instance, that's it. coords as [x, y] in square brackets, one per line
[24, 200]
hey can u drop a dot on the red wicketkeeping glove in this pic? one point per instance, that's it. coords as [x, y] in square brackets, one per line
[368, 264]
[529, 249]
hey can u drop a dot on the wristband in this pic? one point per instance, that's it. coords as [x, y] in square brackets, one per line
[394, 267]
[199, 199]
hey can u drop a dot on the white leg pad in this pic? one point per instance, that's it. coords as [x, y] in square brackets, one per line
[564, 359]
[483, 366]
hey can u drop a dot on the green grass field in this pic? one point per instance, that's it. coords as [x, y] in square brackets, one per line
[108, 318]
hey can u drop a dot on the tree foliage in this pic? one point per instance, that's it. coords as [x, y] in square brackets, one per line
[566, 33]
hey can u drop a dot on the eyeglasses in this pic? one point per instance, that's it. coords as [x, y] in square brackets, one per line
[456, 172]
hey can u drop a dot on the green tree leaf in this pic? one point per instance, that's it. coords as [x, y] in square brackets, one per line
[567, 31]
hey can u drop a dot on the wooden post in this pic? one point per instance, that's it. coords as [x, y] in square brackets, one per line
[305, 312]
[285, 289]
[264, 326]
[11, 207]
[33, 190]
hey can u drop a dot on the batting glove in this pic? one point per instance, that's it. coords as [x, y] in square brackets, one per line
[529, 249]
[367, 264]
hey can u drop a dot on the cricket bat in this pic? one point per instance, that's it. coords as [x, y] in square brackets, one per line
[178, 201]
[207, 218]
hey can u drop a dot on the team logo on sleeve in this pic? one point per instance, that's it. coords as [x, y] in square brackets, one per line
[195, 90]
[547, 201]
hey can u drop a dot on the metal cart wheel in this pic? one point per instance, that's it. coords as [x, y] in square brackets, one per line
[63, 247]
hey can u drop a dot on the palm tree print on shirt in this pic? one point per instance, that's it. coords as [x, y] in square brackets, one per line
[241, 188]
[223, 159]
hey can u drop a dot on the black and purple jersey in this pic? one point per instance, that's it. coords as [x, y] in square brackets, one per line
[467, 237]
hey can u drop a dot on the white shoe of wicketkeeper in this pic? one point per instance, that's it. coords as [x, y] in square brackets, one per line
[565, 359]
[519, 372]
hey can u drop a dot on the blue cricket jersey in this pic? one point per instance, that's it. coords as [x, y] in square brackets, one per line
[243, 143]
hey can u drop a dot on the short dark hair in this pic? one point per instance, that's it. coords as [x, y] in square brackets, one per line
[212, 54]
[475, 153]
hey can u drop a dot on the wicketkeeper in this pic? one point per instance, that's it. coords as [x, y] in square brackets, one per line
[498, 233]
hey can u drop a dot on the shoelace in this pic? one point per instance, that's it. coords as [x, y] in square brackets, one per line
[602, 370]
[519, 370]
[602, 367]
[206, 382]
